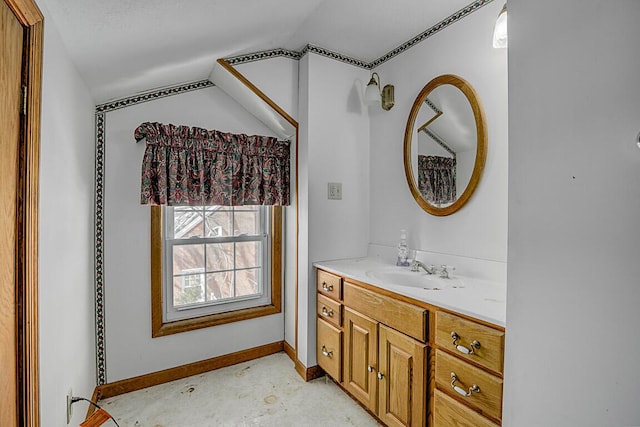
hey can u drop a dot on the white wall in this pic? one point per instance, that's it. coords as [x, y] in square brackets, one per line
[574, 208]
[130, 349]
[479, 229]
[67, 356]
[334, 147]
[278, 79]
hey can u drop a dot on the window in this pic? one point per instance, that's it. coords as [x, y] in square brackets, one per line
[213, 265]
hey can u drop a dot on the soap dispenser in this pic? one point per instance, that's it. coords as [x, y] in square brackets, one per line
[403, 250]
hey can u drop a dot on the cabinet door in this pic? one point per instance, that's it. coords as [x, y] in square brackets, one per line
[402, 384]
[361, 358]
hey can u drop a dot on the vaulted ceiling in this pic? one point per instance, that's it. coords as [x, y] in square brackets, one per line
[122, 47]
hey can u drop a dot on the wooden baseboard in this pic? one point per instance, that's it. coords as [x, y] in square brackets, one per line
[308, 374]
[290, 351]
[143, 381]
[94, 398]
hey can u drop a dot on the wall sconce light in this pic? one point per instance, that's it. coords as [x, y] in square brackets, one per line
[372, 93]
[500, 30]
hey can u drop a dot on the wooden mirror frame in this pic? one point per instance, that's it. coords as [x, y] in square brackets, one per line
[481, 147]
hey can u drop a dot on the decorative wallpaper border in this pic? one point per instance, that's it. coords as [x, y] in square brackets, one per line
[334, 55]
[273, 53]
[101, 120]
[432, 106]
[101, 360]
[264, 54]
[451, 19]
[152, 95]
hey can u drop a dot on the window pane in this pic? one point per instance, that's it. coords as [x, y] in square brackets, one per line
[187, 257]
[220, 285]
[188, 289]
[248, 282]
[187, 222]
[247, 220]
[248, 254]
[218, 222]
[219, 256]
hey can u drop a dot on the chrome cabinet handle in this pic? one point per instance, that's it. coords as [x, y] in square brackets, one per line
[327, 313]
[462, 392]
[475, 345]
[325, 352]
[327, 288]
[380, 375]
[370, 368]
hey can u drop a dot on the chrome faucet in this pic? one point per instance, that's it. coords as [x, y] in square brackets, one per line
[417, 265]
[444, 272]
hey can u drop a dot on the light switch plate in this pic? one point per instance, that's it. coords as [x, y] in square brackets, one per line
[335, 191]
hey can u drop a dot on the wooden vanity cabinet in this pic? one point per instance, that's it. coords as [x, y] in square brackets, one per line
[468, 372]
[375, 345]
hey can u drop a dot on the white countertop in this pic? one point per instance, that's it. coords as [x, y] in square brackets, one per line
[481, 299]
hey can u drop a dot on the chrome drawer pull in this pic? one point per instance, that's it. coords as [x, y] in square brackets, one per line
[327, 288]
[475, 345]
[370, 368]
[327, 313]
[462, 392]
[380, 375]
[327, 353]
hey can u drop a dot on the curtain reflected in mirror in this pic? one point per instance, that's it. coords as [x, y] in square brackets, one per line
[437, 179]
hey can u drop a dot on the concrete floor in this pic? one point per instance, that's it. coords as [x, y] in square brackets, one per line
[262, 392]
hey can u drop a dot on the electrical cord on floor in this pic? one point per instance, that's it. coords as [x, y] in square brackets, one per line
[77, 399]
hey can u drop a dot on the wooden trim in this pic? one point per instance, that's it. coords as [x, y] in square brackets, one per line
[94, 398]
[431, 120]
[297, 250]
[314, 372]
[143, 381]
[27, 12]
[308, 374]
[257, 91]
[161, 328]
[290, 351]
[28, 404]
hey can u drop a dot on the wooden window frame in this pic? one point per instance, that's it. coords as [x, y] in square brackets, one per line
[160, 328]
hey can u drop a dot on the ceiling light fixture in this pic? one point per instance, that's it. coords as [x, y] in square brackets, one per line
[500, 30]
[372, 93]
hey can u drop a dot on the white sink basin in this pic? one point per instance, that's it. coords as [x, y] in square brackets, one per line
[405, 277]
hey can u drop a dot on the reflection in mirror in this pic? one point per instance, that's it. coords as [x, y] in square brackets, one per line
[445, 145]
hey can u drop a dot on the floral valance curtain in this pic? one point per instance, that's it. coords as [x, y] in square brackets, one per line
[193, 166]
[437, 179]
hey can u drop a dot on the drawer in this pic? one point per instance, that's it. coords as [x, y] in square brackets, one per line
[329, 349]
[329, 285]
[330, 310]
[488, 399]
[404, 317]
[447, 412]
[489, 352]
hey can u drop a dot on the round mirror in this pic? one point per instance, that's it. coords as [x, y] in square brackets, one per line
[445, 145]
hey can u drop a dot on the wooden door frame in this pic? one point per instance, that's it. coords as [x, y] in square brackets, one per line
[28, 404]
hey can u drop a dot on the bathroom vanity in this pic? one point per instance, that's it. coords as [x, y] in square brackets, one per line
[414, 349]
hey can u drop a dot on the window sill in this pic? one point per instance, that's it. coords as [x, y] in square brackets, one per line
[160, 328]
